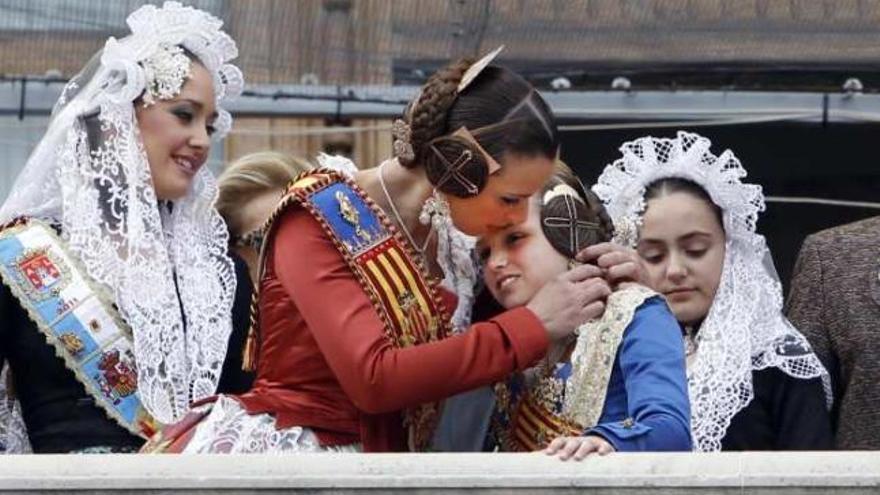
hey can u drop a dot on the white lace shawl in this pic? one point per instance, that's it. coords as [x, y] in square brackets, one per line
[745, 329]
[13, 437]
[164, 264]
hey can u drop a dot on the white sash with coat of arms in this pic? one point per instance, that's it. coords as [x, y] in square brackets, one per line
[76, 318]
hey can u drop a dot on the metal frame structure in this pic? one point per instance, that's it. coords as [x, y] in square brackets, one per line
[33, 97]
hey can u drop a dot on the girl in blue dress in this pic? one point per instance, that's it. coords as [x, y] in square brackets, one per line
[617, 385]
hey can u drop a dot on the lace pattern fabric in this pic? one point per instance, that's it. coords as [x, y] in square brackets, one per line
[229, 429]
[460, 271]
[163, 263]
[13, 434]
[745, 329]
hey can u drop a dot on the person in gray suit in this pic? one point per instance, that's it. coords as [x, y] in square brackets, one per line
[835, 302]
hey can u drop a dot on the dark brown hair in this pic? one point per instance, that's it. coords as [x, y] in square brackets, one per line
[669, 185]
[500, 108]
[573, 223]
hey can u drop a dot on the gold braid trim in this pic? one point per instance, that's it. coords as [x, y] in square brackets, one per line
[420, 420]
[595, 351]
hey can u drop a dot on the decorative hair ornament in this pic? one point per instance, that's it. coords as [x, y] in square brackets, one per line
[402, 145]
[453, 171]
[154, 64]
[561, 190]
[567, 219]
[165, 70]
[476, 68]
[464, 133]
[626, 232]
[460, 144]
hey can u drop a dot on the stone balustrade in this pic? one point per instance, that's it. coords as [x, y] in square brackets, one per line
[655, 473]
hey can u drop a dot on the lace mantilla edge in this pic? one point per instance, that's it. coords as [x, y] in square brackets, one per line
[744, 331]
[13, 433]
[230, 429]
[622, 184]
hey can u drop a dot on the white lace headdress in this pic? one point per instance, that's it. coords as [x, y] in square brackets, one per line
[164, 264]
[745, 328]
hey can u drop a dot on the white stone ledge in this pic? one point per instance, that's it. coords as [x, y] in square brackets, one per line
[777, 472]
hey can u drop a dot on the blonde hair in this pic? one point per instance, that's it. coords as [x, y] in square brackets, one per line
[251, 175]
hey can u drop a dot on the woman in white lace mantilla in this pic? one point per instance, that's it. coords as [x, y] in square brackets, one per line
[754, 382]
[114, 217]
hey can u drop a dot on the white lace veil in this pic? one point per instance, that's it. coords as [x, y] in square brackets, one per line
[745, 328]
[163, 263]
[13, 436]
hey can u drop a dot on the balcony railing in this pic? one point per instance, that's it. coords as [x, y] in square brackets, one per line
[655, 473]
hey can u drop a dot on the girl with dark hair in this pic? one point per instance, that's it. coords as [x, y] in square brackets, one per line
[618, 383]
[754, 381]
[365, 288]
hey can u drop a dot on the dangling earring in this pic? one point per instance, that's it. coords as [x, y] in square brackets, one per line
[435, 206]
[454, 251]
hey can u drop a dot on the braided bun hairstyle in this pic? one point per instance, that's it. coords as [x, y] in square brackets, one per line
[492, 107]
[572, 216]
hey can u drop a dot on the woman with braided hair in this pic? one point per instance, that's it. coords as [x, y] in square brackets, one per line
[617, 383]
[365, 328]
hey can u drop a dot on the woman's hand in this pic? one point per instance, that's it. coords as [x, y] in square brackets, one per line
[578, 447]
[570, 300]
[619, 263]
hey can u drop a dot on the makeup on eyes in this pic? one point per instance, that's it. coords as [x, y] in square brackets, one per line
[186, 111]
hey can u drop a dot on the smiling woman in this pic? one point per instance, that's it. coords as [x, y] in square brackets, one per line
[177, 133]
[117, 294]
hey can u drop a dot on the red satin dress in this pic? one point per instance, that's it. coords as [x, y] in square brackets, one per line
[325, 361]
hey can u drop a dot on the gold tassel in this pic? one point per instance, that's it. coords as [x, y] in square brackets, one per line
[249, 355]
[251, 350]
